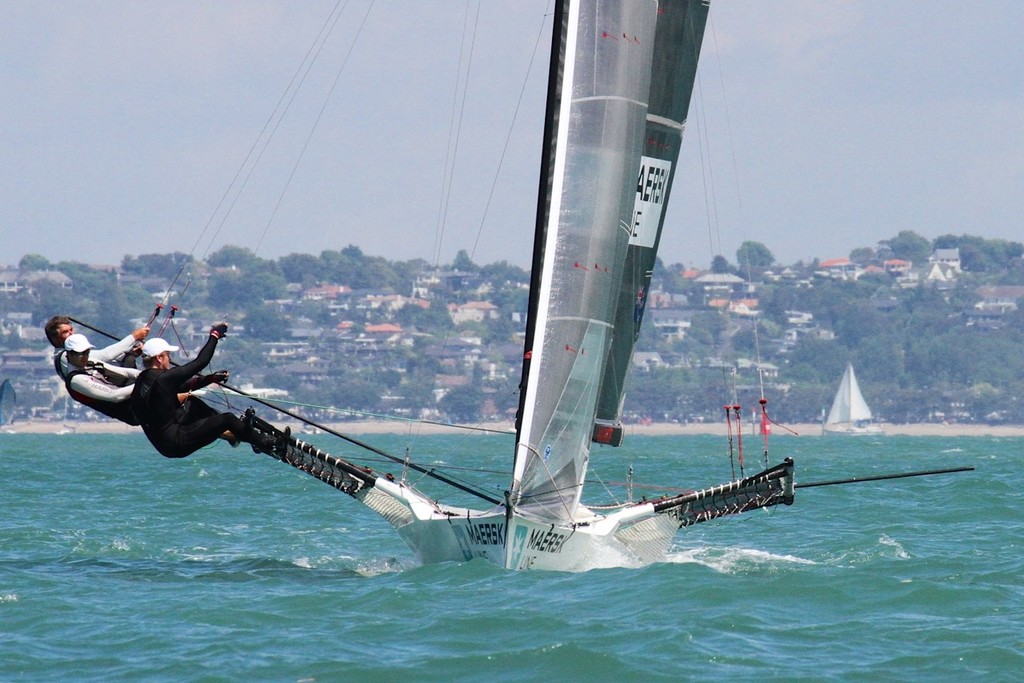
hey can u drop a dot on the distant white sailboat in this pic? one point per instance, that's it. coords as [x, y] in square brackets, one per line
[850, 413]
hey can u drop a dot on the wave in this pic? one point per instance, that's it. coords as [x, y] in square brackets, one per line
[733, 560]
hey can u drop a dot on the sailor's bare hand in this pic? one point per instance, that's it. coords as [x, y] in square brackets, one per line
[140, 333]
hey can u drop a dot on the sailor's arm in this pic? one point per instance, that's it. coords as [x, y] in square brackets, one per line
[121, 374]
[117, 350]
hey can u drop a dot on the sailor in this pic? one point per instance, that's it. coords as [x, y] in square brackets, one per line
[177, 423]
[123, 352]
[104, 388]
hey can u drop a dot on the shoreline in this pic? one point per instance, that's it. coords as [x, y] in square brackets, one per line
[659, 429]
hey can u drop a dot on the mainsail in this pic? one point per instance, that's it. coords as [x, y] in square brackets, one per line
[599, 115]
[676, 50]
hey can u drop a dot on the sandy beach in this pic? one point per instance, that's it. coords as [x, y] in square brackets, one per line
[407, 427]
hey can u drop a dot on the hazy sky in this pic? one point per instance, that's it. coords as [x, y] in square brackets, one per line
[817, 127]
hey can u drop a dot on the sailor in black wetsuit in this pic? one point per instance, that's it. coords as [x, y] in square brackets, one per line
[176, 423]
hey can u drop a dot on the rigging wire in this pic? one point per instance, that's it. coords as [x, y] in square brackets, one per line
[252, 158]
[508, 137]
[316, 123]
[455, 128]
[744, 254]
[707, 175]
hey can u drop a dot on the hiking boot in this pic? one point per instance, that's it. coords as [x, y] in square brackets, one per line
[262, 443]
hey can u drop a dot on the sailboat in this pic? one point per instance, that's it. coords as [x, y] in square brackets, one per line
[850, 413]
[620, 80]
[8, 400]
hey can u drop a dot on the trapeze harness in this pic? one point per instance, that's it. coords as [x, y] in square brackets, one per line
[121, 410]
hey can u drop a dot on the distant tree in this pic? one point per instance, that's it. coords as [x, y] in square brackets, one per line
[670, 278]
[337, 267]
[33, 262]
[303, 268]
[463, 404]
[464, 263]
[237, 290]
[266, 323]
[280, 379]
[503, 271]
[979, 255]
[374, 272]
[754, 255]
[816, 360]
[720, 264]
[910, 246]
[166, 266]
[435, 317]
[114, 310]
[862, 255]
[51, 299]
[352, 252]
[407, 272]
[510, 300]
[358, 393]
[231, 255]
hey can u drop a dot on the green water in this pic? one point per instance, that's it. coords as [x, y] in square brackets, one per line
[117, 564]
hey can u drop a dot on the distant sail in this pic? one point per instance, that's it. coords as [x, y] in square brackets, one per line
[850, 413]
[8, 399]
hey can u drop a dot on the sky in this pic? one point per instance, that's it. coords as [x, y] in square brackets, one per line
[817, 127]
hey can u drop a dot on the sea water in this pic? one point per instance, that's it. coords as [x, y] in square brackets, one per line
[119, 565]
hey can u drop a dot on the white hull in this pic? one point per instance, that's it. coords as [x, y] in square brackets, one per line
[630, 536]
[854, 430]
[627, 535]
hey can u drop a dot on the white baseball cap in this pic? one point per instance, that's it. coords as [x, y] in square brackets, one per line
[77, 343]
[154, 347]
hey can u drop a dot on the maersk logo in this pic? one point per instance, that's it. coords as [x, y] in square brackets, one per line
[651, 188]
[518, 545]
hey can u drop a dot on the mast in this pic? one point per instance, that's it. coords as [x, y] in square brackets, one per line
[592, 155]
[676, 51]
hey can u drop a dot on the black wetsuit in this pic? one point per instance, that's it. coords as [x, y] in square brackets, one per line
[175, 429]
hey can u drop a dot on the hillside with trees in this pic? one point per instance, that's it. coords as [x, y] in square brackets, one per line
[932, 327]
